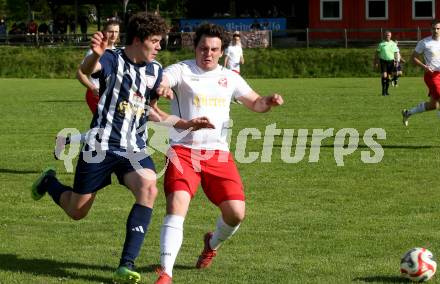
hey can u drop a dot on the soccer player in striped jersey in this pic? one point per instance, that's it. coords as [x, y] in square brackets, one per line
[129, 79]
[204, 88]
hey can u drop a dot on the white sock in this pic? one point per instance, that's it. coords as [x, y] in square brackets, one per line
[171, 237]
[419, 108]
[222, 233]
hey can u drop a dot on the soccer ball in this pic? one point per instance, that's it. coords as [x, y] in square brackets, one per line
[418, 264]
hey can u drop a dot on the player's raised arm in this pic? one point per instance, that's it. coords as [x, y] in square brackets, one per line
[257, 103]
[98, 45]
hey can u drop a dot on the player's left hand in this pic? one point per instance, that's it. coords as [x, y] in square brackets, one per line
[200, 122]
[274, 100]
[164, 91]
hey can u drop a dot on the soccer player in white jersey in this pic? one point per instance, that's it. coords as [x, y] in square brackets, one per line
[234, 57]
[204, 88]
[234, 54]
[111, 31]
[116, 142]
[429, 47]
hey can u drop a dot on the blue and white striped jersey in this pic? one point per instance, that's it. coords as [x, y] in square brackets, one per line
[126, 89]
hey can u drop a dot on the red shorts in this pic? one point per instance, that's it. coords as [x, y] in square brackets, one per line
[92, 101]
[215, 169]
[432, 80]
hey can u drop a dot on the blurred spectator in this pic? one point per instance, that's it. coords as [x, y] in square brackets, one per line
[50, 27]
[273, 13]
[22, 27]
[2, 27]
[32, 27]
[186, 28]
[15, 30]
[59, 25]
[43, 28]
[2, 30]
[255, 26]
[245, 14]
[83, 23]
[72, 25]
[265, 26]
[255, 13]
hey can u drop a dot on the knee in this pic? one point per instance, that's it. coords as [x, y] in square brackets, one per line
[234, 218]
[77, 214]
[149, 192]
[152, 191]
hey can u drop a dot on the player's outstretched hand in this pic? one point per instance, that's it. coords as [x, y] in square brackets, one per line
[274, 100]
[164, 91]
[200, 122]
[99, 43]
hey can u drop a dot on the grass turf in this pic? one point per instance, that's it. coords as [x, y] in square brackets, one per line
[307, 222]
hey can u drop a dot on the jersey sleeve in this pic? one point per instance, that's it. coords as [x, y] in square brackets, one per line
[227, 51]
[96, 74]
[87, 54]
[108, 62]
[242, 87]
[174, 74]
[154, 95]
[420, 47]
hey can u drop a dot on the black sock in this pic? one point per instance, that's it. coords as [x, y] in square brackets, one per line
[136, 229]
[55, 188]
[383, 81]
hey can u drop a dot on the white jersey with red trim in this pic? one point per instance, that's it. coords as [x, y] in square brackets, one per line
[431, 51]
[204, 93]
[234, 52]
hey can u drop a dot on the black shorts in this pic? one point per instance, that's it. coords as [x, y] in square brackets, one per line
[386, 66]
[93, 172]
[398, 67]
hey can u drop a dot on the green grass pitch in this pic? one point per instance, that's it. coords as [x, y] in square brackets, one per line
[307, 222]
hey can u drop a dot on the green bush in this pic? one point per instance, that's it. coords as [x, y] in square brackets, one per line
[57, 62]
[25, 62]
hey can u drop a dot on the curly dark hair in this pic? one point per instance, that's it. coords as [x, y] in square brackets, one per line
[142, 25]
[212, 30]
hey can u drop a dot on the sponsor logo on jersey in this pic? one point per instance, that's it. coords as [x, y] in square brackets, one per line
[223, 82]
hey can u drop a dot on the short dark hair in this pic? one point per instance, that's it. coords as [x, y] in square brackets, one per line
[111, 22]
[211, 30]
[142, 25]
[435, 22]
